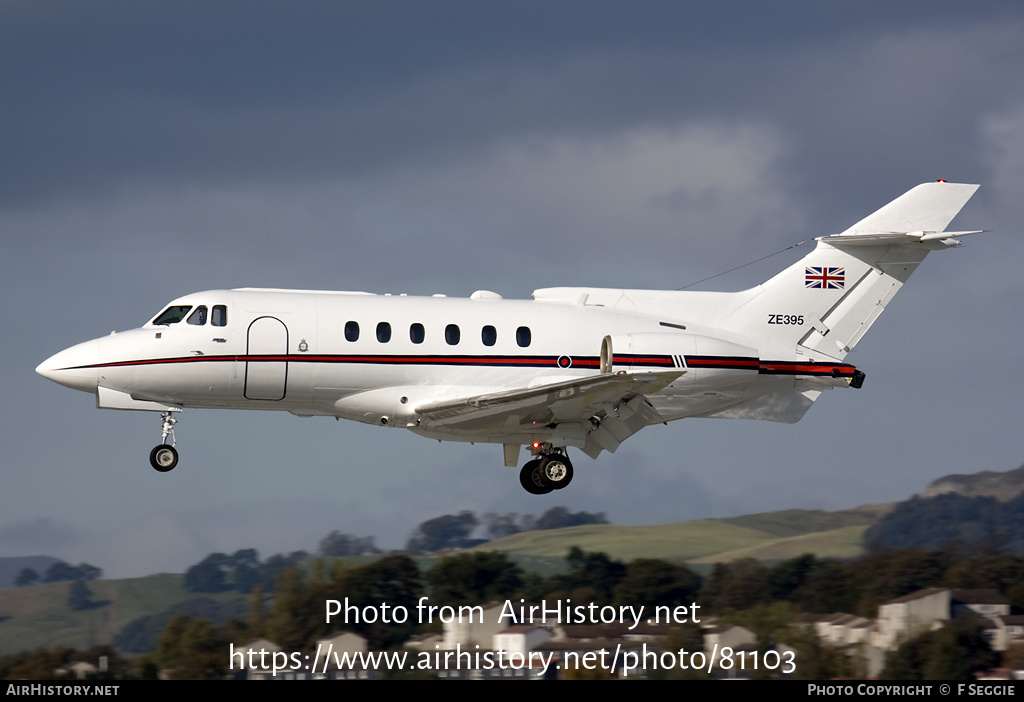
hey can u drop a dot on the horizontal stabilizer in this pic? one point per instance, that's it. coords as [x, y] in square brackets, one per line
[946, 238]
[867, 239]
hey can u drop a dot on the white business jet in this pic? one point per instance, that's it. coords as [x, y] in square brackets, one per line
[580, 367]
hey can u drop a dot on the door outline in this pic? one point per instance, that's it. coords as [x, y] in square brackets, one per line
[266, 380]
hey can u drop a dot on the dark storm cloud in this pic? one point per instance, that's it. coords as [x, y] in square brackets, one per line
[100, 95]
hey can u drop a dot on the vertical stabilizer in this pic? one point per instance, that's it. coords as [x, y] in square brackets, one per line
[929, 207]
[828, 300]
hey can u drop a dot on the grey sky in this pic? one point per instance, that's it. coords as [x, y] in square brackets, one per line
[149, 150]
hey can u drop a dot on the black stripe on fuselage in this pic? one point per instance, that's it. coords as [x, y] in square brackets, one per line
[412, 359]
[648, 360]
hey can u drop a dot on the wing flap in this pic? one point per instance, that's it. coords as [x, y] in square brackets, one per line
[618, 423]
[611, 405]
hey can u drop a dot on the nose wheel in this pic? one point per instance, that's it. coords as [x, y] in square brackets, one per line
[164, 457]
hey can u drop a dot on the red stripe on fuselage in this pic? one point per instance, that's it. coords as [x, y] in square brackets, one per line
[695, 362]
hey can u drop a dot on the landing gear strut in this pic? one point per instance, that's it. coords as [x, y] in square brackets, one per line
[552, 471]
[164, 457]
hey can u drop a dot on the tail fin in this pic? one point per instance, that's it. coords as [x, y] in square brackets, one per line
[828, 300]
[928, 208]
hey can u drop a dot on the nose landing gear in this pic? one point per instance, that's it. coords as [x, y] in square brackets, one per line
[552, 471]
[164, 457]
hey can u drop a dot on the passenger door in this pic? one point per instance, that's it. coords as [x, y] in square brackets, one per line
[266, 366]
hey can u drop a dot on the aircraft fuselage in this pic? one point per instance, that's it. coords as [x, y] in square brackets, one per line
[580, 367]
[376, 358]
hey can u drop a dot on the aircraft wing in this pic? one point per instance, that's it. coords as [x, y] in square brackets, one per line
[608, 408]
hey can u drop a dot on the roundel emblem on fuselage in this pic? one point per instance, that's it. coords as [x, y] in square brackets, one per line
[564, 361]
[303, 346]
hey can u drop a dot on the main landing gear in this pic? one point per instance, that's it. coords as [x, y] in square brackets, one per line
[164, 457]
[551, 471]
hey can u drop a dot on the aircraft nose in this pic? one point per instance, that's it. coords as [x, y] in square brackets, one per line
[73, 367]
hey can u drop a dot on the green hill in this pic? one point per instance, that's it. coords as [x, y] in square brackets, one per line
[31, 617]
[835, 543]
[768, 536]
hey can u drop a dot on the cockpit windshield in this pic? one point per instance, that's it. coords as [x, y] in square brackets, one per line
[172, 315]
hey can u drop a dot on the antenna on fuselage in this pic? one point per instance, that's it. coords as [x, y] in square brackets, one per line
[716, 275]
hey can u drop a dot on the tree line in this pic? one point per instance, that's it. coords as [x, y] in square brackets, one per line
[454, 531]
[243, 570]
[58, 572]
[930, 523]
[767, 599]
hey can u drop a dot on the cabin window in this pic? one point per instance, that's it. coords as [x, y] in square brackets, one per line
[198, 318]
[489, 335]
[416, 333]
[523, 336]
[172, 315]
[452, 334]
[383, 332]
[219, 318]
[351, 331]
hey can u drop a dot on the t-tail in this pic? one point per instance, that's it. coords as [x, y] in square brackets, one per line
[824, 303]
[803, 322]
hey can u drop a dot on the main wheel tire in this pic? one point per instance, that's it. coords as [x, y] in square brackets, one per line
[164, 457]
[555, 471]
[529, 478]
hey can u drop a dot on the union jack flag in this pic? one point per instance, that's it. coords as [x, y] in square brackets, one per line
[824, 278]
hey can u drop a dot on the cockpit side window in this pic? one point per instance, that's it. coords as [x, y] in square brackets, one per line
[198, 318]
[172, 315]
[219, 318]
